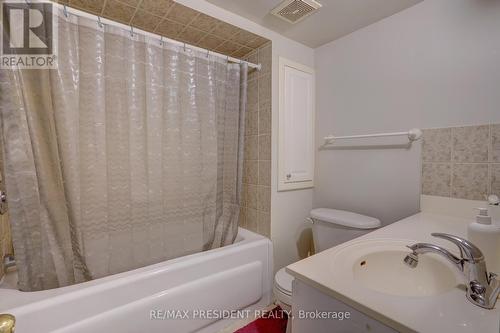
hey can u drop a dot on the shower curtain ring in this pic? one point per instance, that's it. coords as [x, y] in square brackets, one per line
[184, 47]
[65, 11]
[131, 31]
[161, 40]
[99, 23]
[208, 53]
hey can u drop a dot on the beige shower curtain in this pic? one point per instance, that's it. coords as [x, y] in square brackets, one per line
[128, 154]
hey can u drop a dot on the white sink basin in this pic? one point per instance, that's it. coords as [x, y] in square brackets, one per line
[378, 265]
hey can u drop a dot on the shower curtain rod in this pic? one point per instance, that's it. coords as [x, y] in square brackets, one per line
[99, 20]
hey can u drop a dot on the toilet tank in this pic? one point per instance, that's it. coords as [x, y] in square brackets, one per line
[332, 227]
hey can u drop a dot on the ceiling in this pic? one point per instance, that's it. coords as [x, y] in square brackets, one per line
[335, 19]
[175, 21]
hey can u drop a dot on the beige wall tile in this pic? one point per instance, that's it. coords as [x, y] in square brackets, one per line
[252, 147]
[495, 179]
[191, 35]
[93, 6]
[244, 195]
[472, 148]
[264, 224]
[243, 51]
[204, 22]
[265, 120]
[253, 92]
[145, 20]
[252, 122]
[181, 14]
[436, 145]
[470, 181]
[265, 88]
[243, 218]
[117, 11]
[210, 42]
[265, 59]
[495, 143]
[228, 47]
[150, 14]
[156, 7]
[252, 172]
[436, 179]
[169, 28]
[265, 173]
[132, 3]
[225, 30]
[264, 147]
[252, 217]
[264, 198]
[252, 196]
[471, 143]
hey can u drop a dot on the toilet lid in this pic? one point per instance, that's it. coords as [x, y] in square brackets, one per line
[283, 281]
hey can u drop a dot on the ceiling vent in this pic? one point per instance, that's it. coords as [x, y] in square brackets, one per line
[294, 11]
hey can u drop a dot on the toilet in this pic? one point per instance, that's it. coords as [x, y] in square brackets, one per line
[331, 227]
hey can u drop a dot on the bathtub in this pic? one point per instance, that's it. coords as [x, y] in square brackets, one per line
[194, 293]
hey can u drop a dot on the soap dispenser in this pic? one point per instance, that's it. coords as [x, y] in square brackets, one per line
[485, 234]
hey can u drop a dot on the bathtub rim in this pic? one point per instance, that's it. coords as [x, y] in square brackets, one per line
[245, 238]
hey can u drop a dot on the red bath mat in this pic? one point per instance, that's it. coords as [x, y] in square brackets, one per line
[273, 321]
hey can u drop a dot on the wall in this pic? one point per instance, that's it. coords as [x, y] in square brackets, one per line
[433, 65]
[5, 236]
[288, 209]
[256, 199]
[461, 162]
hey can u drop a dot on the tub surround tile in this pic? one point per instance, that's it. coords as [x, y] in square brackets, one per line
[252, 218]
[436, 145]
[265, 173]
[470, 143]
[118, 11]
[252, 147]
[265, 58]
[144, 20]
[264, 224]
[265, 120]
[470, 181]
[176, 21]
[258, 135]
[156, 7]
[436, 179]
[495, 179]
[264, 147]
[264, 88]
[264, 198]
[253, 172]
[253, 196]
[495, 143]
[252, 122]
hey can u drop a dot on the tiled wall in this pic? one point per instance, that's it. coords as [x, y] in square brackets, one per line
[256, 203]
[5, 237]
[173, 20]
[461, 162]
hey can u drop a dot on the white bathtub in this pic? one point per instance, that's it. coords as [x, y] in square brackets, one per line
[235, 277]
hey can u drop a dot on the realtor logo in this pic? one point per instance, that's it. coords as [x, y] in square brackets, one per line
[29, 35]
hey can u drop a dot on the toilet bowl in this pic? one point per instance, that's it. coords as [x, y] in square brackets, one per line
[331, 227]
[283, 289]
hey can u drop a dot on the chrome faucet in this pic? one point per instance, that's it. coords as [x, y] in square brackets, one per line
[482, 288]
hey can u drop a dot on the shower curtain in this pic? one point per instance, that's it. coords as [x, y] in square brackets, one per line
[128, 154]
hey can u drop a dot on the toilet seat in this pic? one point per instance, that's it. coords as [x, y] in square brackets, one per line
[283, 287]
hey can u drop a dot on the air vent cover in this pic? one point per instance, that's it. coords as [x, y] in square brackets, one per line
[294, 11]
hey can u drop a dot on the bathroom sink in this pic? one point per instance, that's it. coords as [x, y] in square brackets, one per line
[378, 265]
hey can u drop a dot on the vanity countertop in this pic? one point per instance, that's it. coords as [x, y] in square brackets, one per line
[447, 312]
